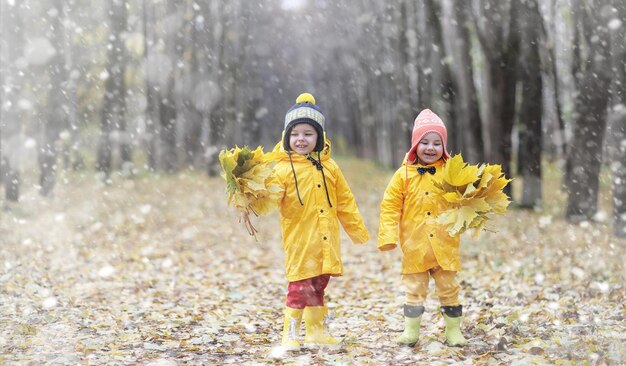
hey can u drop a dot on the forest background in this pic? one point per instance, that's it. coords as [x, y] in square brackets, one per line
[104, 103]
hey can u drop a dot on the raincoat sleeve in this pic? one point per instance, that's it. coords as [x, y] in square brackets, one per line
[390, 213]
[348, 212]
[275, 179]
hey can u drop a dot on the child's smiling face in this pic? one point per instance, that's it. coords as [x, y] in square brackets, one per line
[302, 138]
[430, 148]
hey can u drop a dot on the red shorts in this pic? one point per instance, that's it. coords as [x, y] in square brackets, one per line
[307, 292]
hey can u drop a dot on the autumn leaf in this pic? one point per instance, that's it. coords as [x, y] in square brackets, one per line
[228, 163]
[468, 194]
[458, 173]
[248, 175]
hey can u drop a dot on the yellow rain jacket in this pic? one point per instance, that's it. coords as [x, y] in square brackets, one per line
[407, 215]
[311, 230]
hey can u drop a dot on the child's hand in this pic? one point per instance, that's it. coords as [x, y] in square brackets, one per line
[386, 247]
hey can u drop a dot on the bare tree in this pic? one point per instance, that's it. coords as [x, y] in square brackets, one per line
[151, 88]
[531, 106]
[444, 88]
[425, 43]
[173, 47]
[72, 157]
[618, 130]
[11, 47]
[593, 80]
[458, 28]
[364, 120]
[499, 39]
[218, 110]
[617, 121]
[206, 93]
[114, 103]
[548, 33]
[56, 115]
[189, 131]
[386, 95]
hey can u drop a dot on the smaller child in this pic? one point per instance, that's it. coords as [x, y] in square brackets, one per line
[316, 198]
[407, 215]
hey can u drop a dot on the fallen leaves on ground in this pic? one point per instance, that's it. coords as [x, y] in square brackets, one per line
[156, 271]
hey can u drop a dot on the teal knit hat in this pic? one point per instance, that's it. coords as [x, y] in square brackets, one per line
[305, 111]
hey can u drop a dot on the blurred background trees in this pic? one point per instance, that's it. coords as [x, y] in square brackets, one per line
[134, 85]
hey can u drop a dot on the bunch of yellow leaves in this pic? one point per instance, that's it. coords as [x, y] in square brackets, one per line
[248, 182]
[470, 193]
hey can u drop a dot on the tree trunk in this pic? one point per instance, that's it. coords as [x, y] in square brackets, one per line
[167, 103]
[386, 91]
[229, 71]
[365, 128]
[467, 111]
[167, 126]
[411, 65]
[204, 91]
[424, 41]
[618, 169]
[402, 123]
[11, 179]
[500, 44]
[217, 114]
[585, 151]
[249, 98]
[444, 87]
[11, 47]
[193, 74]
[152, 94]
[56, 116]
[617, 123]
[120, 16]
[114, 103]
[530, 113]
[72, 155]
[557, 132]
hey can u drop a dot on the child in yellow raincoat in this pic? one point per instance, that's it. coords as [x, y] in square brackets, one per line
[316, 198]
[407, 216]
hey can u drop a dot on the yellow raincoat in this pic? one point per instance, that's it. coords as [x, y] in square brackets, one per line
[311, 230]
[407, 213]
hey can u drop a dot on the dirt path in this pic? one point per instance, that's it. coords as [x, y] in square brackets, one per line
[158, 271]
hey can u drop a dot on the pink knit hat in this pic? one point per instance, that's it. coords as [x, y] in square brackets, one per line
[426, 122]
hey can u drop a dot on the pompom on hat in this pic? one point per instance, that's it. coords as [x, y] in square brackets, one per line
[427, 122]
[305, 111]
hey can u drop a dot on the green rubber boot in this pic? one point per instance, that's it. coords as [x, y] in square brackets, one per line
[412, 321]
[452, 317]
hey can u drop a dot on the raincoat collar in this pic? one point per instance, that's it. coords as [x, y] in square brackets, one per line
[314, 157]
[282, 154]
[438, 164]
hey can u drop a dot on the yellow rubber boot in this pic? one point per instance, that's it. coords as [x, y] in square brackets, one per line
[315, 323]
[293, 317]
